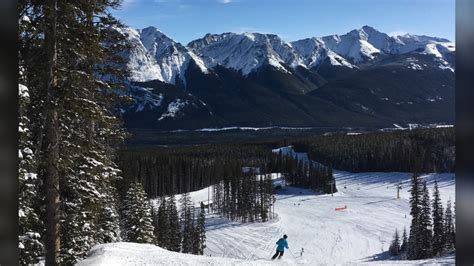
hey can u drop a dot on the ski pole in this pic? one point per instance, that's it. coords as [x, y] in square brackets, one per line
[292, 253]
[271, 252]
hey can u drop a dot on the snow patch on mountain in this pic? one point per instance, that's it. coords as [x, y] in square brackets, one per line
[155, 56]
[353, 45]
[313, 51]
[144, 98]
[415, 66]
[172, 57]
[148, 99]
[174, 109]
[141, 64]
[431, 49]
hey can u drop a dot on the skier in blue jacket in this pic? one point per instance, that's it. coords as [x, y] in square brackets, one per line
[282, 244]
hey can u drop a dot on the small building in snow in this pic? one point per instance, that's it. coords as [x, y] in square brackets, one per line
[250, 170]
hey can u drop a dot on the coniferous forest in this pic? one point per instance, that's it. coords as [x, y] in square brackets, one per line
[432, 231]
[239, 175]
[175, 170]
[422, 150]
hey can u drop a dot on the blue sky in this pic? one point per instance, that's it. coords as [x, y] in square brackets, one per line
[186, 20]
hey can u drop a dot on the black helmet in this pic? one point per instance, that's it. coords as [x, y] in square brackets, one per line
[285, 236]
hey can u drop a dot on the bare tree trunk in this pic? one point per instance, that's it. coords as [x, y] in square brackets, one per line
[50, 159]
[51, 171]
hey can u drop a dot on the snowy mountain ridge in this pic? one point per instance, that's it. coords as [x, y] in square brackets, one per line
[246, 52]
[261, 80]
[156, 56]
[366, 43]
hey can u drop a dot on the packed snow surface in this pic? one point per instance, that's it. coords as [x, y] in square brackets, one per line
[359, 234]
[123, 253]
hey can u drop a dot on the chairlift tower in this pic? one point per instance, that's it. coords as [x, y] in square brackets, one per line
[399, 187]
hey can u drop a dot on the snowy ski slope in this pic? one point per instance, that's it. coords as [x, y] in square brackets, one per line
[359, 234]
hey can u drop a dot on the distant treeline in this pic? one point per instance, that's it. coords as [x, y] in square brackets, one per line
[420, 150]
[300, 173]
[175, 170]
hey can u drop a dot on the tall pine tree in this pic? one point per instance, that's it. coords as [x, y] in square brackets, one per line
[404, 245]
[174, 229]
[186, 223]
[438, 223]
[426, 233]
[29, 222]
[394, 248]
[414, 240]
[63, 51]
[201, 230]
[137, 222]
[449, 227]
[162, 228]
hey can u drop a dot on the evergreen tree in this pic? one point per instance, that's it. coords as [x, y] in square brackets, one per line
[414, 240]
[162, 228]
[174, 229]
[186, 223]
[75, 130]
[201, 230]
[30, 225]
[195, 248]
[404, 245]
[137, 223]
[109, 223]
[394, 248]
[438, 223]
[156, 225]
[426, 233]
[449, 227]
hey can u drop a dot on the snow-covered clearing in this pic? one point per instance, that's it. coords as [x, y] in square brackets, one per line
[357, 235]
[361, 233]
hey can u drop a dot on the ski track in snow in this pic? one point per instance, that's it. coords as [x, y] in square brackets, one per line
[359, 234]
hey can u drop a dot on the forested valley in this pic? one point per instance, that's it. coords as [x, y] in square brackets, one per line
[418, 150]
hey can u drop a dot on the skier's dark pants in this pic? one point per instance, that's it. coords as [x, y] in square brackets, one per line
[276, 254]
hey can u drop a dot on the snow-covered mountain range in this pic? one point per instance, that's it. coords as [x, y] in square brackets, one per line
[210, 76]
[156, 56]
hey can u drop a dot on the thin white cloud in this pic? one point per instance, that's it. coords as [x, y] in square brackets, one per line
[225, 1]
[128, 3]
